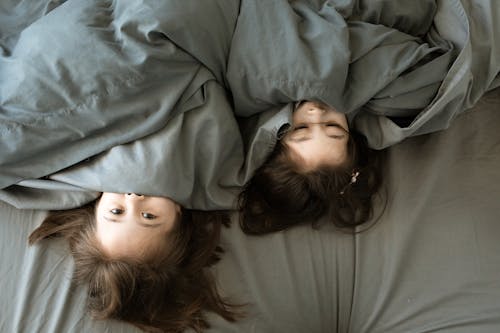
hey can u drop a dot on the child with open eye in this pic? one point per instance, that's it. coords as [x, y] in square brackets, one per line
[145, 259]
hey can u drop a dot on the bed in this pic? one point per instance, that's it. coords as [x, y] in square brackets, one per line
[430, 260]
[430, 264]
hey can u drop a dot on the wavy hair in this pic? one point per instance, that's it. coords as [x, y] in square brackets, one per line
[168, 292]
[281, 194]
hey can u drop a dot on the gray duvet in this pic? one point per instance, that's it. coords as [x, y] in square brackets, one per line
[431, 264]
[142, 96]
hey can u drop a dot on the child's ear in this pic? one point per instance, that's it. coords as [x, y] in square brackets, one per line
[178, 208]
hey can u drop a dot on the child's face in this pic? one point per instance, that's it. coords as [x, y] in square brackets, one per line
[319, 135]
[131, 225]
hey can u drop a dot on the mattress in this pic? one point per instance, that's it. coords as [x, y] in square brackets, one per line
[429, 262]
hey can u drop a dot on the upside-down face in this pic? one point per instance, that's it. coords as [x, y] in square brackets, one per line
[318, 136]
[132, 225]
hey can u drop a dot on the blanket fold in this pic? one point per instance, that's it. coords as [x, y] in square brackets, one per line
[143, 96]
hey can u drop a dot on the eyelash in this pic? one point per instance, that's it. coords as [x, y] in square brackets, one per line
[117, 211]
[148, 216]
[298, 127]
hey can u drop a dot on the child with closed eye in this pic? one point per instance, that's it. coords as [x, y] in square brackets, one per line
[318, 167]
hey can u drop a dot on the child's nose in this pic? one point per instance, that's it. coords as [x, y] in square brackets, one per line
[135, 196]
[315, 109]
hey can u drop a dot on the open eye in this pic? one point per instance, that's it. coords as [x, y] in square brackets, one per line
[148, 216]
[116, 211]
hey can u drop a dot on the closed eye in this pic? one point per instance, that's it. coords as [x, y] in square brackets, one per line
[299, 127]
[335, 125]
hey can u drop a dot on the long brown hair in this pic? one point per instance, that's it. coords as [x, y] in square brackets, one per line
[281, 194]
[167, 293]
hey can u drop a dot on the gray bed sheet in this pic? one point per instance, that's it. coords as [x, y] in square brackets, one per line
[430, 264]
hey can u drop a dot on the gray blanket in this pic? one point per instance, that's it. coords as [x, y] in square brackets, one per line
[422, 62]
[141, 96]
[95, 97]
[431, 264]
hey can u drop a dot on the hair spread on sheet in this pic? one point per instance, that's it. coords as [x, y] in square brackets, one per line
[168, 292]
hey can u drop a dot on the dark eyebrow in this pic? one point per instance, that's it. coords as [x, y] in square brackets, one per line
[146, 225]
[335, 137]
[334, 124]
[300, 139]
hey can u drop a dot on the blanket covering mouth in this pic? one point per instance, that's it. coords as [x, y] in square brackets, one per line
[143, 96]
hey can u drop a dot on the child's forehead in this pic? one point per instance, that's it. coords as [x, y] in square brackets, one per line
[318, 104]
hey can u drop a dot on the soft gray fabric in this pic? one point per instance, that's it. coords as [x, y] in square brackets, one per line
[473, 27]
[94, 75]
[81, 80]
[341, 53]
[260, 133]
[92, 91]
[15, 15]
[426, 61]
[46, 194]
[37, 292]
[195, 158]
[430, 264]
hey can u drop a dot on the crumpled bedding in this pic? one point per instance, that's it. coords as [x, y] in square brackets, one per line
[380, 62]
[430, 264]
[99, 99]
[143, 96]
